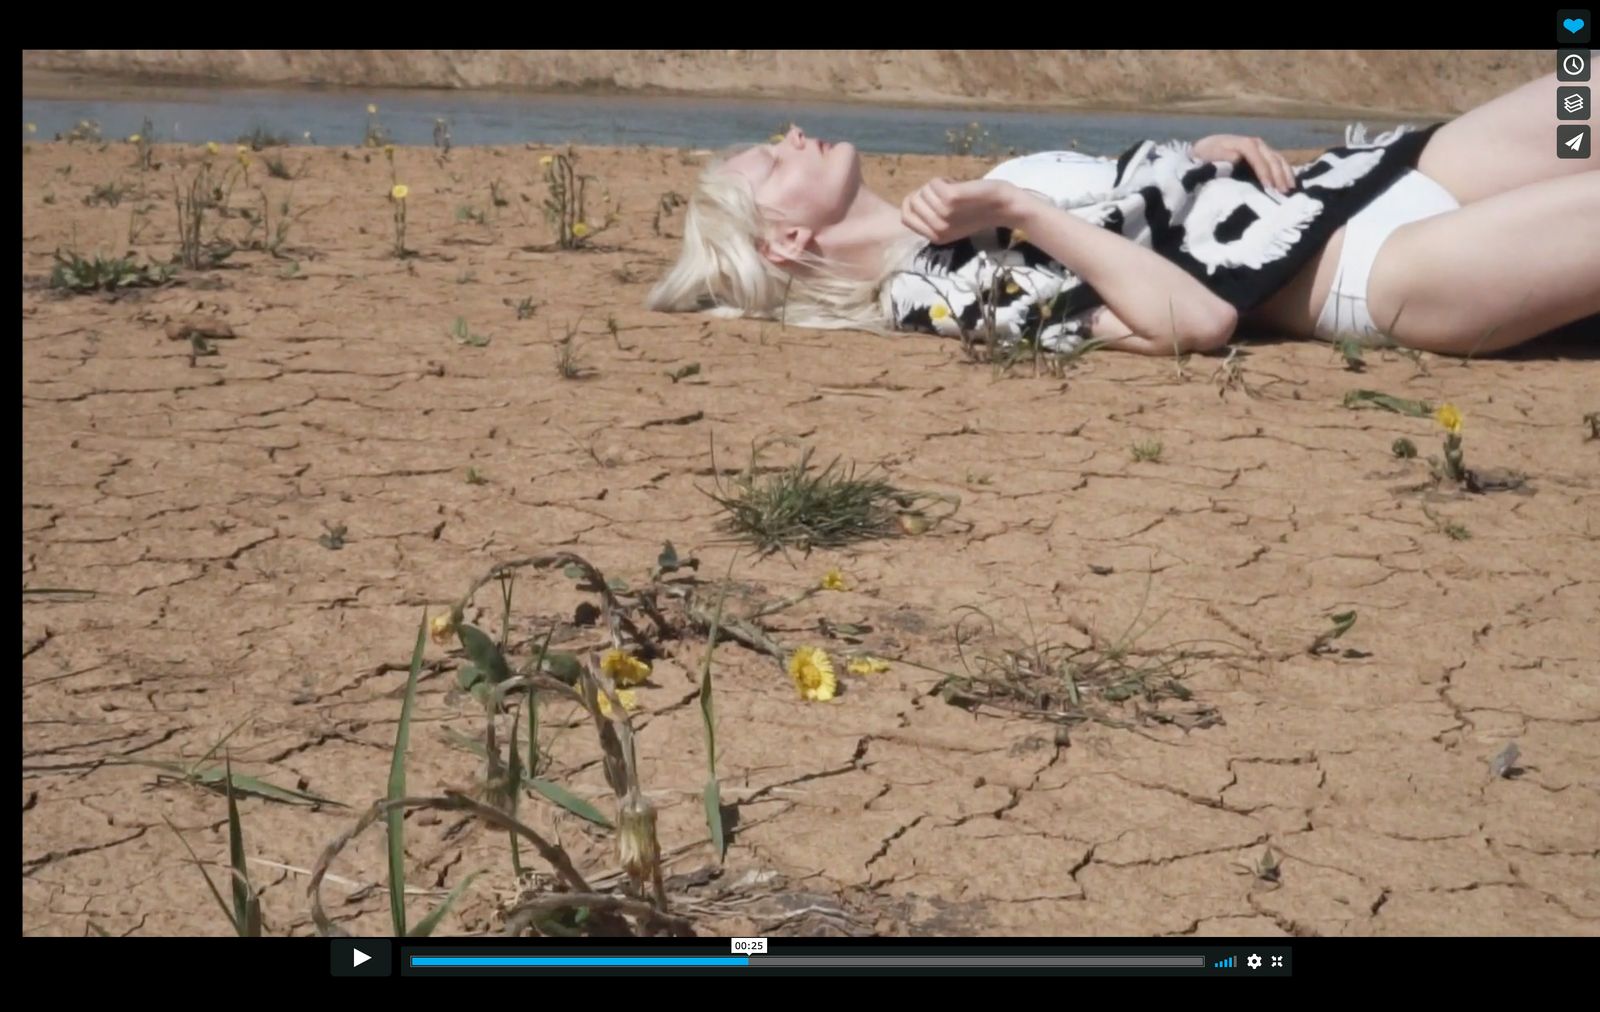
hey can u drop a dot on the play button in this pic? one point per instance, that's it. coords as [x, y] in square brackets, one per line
[360, 957]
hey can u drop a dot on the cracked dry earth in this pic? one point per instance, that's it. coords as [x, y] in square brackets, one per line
[189, 496]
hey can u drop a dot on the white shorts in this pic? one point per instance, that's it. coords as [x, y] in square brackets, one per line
[1411, 197]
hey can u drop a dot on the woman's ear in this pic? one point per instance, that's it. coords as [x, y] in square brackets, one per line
[788, 246]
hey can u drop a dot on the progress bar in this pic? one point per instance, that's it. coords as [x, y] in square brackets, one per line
[1086, 962]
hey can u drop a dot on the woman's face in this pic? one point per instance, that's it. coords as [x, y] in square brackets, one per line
[800, 181]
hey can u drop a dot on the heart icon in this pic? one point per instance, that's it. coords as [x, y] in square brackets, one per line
[1573, 25]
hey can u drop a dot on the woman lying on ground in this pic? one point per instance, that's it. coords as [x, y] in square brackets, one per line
[1462, 238]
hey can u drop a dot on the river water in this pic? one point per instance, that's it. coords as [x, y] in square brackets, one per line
[323, 117]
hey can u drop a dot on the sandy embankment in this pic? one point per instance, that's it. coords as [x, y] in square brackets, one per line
[1293, 82]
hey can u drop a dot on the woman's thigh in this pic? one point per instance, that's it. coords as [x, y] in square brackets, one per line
[1493, 273]
[1506, 143]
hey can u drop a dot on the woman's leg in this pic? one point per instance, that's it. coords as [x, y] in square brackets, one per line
[1505, 143]
[1494, 273]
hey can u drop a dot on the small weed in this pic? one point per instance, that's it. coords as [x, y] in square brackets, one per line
[1266, 869]
[197, 197]
[397, 199]
[276, 168]
[86, 131]
[1453, 531]
[1356, 399]
[665, 205]
[144, 142]
[464, 335]
[525, 307]
[565, 202]
[245, 917]
[1230, 374]
[1147, 450]
[567, 365]
[333, 539]
[1350, 350]
[1418, 363]
[615, 330]
[110, 194]
[1504, 764]
[797, 507]
[376, 136]
[1069, 682]
[138, 221]
[1342, 624]
[260, 138]
[74, 272]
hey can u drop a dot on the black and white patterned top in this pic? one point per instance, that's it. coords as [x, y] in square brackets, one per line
[1213, 219]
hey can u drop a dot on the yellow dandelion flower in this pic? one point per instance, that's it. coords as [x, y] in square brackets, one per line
[623, 668]
[775, 139]
[388, 149]
[1449, 417]
[32, 128]
[867, 666]
[243, 149]
[630, 701]
[1012, 288]
[441, 628]
[813, 674]
[372, 110]
[134, 138]
[211, 147]
[1018, 237]
[939, 311]
[547, 159]
[833, 580]
[400, 191]
[580, 230]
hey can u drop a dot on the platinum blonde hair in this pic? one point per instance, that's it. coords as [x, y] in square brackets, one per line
[721, 268]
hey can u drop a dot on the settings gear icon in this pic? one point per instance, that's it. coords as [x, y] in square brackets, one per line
[1254, 961]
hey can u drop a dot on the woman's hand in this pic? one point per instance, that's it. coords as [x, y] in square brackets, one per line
[943, 211]
[1271, 168]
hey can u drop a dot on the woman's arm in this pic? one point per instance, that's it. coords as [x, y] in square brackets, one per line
[1164, 308]
[1155, 306]
[1108, 330]
[1151, 305]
